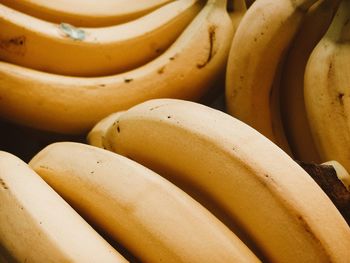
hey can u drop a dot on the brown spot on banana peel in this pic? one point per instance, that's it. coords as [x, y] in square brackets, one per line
[340, 98]
[308, 229]
[3, 184]
[44, 167]
[212, 35]
[128, 80]
[156, 107]
[161, 70]
[305, 225]
[14, 45]
[116, 126]
[330, 72]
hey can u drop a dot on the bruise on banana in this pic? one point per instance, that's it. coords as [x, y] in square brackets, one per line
[161, 70]
[116, 126]
[211, 33]
[127, 80]
[3, 184]
[340, 97]
[15, 45]
[326, 177]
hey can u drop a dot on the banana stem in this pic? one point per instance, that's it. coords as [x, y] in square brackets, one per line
[326, 177]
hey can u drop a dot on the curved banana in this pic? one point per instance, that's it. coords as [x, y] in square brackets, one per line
[215, 97]
[87, 13]
[97, 134]
[296, 126]
[255, 58]
[65, 49]
[73, 105]
[37, 225]
[238, 174]
[326, 90]
[148, 215]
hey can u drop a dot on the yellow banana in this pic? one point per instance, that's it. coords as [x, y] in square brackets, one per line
[73, 105]
[236, 10]
[314, 26]
[326, 90]
[97, 134]
[148, 215]
[87, 13]
[256, 54]
[65, 49]
[37, 225]
[238, 174]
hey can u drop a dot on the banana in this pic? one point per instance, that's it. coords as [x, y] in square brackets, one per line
[73, 105]
[97, 134]
[65, 49]
[236, 10]
[213, 98]
[341, 172]
[87, 13]
[256, 55]
[326, 90]
[314, 26]
[37, 225]
[148, 215]
[238, 174]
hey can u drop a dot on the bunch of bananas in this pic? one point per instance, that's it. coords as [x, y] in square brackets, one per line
[288, 76]
[161, 177]
[63, 78]
[213, 195]
[243, 178]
